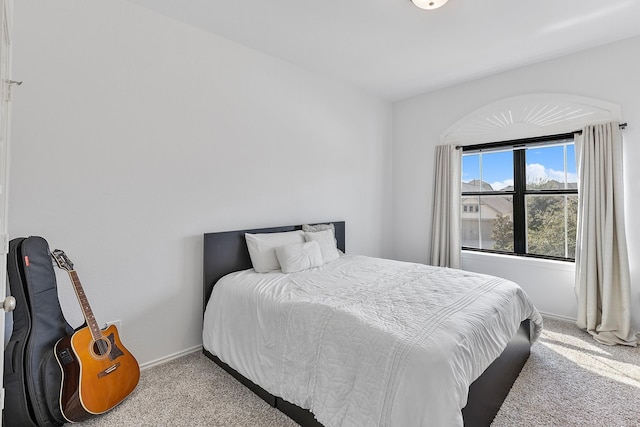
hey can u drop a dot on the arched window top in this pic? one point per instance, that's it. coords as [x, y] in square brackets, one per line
[528, 116]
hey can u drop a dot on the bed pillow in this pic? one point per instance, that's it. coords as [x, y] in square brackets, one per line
[262, 248]
[327, 243]
[319, 227]
[299, 256]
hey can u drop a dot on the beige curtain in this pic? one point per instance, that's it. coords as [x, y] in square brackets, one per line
[445, 224]
[603, 284]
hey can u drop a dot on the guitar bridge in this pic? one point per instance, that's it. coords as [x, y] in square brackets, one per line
[109, 370]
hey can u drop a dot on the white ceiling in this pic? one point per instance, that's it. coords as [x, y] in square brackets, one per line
[395, 50]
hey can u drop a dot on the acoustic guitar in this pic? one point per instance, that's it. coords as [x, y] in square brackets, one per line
[98, 372]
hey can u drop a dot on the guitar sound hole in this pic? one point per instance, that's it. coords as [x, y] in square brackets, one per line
[101, 348]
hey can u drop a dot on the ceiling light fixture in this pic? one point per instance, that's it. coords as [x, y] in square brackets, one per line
[429, 4]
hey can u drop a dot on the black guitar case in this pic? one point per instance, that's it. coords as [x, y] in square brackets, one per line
[32, 376]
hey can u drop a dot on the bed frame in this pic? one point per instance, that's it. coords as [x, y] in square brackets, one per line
[227, 252]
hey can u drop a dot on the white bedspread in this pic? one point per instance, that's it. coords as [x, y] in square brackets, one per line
[365, 341]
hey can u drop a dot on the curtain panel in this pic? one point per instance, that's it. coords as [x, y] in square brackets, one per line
[603, 285]
[445, 224]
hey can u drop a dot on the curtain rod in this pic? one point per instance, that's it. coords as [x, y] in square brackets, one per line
[516, 141]
[622, 126]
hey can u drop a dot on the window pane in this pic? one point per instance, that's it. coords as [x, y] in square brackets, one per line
[487, 171]
[487, 222]
[551, 225]
[497, 170]
[471, 172]
[572, 174]
[551, 167]
[470, 231]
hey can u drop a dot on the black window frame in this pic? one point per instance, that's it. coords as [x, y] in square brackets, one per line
[520, 191]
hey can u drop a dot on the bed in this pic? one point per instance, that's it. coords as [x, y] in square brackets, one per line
[296, 377]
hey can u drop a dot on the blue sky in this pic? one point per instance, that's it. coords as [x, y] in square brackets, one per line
[542, 163]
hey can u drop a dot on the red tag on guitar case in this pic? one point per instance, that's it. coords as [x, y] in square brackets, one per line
[26, 260]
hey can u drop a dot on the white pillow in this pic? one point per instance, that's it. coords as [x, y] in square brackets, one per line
[299, 256]
[262, 248]
[319, 227]
[327, 243]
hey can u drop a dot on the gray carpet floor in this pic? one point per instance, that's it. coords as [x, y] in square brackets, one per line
[569, 380]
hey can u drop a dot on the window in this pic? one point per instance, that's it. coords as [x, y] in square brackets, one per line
[521, 197]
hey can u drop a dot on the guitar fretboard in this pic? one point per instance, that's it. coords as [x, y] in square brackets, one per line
[86, 308]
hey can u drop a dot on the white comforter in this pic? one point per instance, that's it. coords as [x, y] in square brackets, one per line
[365, 341]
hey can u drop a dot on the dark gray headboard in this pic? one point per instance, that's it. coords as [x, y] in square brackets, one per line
[226, 252]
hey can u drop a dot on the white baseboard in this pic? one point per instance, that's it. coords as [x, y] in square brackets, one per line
[558, 317]
[169, 358]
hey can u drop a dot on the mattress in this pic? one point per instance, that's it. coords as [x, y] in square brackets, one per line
[365, 341]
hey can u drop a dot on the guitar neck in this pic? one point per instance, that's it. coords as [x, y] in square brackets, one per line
[84, 305]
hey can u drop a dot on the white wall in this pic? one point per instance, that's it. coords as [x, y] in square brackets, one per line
[134, 134]
[608, 73]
